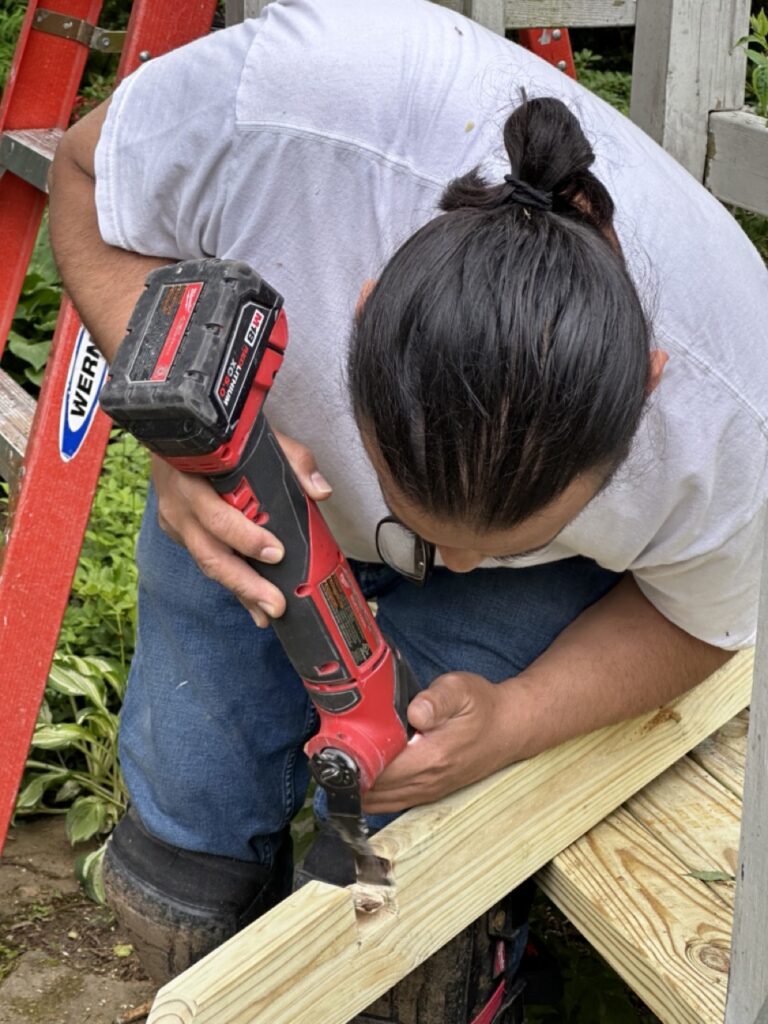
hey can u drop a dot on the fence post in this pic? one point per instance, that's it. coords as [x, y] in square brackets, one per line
[748, 980]
[684, 67]
[490, 13]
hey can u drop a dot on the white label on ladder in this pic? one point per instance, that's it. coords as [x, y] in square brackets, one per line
[87, 370]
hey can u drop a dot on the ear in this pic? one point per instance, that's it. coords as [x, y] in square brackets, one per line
[365, 291]
[658, 360]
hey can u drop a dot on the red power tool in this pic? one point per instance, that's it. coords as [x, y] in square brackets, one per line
[203, 345]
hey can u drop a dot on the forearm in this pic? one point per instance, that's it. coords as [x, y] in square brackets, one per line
[619, 658]
[103, 281]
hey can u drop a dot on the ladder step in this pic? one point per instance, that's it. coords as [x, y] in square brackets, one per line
[16, 411]
[28, 153]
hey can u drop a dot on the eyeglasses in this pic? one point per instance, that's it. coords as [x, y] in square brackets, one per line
[404, 551]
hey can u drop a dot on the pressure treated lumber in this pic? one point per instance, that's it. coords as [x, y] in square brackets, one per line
[696, 819]
[661, 929]
[722, 762]
[314, 959]
[629, 885]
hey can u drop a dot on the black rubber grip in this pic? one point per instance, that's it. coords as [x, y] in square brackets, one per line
[301, 630]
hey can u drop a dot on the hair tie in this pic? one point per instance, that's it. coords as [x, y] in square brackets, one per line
[526, 195]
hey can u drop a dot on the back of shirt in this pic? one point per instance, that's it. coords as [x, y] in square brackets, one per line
[313, 141]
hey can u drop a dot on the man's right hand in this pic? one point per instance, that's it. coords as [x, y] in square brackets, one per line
[217, 535]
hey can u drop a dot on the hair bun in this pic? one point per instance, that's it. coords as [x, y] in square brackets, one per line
[550, 161]
[548, 149]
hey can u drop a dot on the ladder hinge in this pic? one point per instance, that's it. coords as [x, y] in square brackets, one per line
[81, 31]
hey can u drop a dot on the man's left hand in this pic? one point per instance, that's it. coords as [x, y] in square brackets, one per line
[463, 734]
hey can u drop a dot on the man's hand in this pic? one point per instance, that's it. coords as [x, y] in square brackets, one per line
[621, 657]
[217, 536]
[464, 734]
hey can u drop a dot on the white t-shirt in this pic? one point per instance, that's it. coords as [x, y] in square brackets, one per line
[313, 141]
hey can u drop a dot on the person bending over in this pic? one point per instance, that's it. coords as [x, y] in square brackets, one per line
[547, 407]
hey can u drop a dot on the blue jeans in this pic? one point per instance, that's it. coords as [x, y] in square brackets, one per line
[215, 717]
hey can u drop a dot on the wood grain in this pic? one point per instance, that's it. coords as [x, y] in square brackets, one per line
[685, 65]
[662, 930]
[722, 762]
[690, 814]
[569, 13]
[451, 861]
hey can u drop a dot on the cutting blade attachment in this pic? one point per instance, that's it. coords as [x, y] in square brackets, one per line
[337, 773]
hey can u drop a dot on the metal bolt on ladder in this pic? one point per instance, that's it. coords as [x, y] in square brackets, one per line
[51, 451]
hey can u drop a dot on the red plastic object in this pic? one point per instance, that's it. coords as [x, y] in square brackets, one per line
[51, 505]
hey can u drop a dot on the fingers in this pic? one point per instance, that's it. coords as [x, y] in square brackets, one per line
[217, 536]
[304, 466]
[218, 562]
[446, 698]
[193, 514]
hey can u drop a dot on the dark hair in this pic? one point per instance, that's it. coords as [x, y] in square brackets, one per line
[504, 350]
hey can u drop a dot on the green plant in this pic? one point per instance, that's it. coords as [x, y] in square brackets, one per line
[29, 340]
[758, 57]
[611, 86]
[74, 747]
[756, 227]
[11, 17]
[73, 766]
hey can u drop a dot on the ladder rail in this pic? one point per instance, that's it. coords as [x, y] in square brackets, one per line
[31, 101]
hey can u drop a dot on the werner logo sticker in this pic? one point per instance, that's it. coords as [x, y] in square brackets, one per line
[87, 370]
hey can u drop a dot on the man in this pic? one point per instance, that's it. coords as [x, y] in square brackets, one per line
[312, 143]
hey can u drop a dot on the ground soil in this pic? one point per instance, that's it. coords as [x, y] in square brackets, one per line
[62, 958]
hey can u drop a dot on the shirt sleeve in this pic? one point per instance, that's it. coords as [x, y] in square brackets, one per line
[713, 596]
[166, 147]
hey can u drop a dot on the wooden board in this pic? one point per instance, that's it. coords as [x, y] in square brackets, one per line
[737, 164]
[16, 411]
[659, 928]
[569, 13]
[696, 819]
[451, 861]
[722, 762]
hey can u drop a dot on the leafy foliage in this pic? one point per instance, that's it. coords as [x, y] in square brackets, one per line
[758, 58]
[610, 85]
[29, 341]
[73, 766]
[11, 17]
[756, 227]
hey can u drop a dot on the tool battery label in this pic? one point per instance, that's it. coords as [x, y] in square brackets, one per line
[164, 331]
[87, 370]
[234, 377]
[337, 597]
[170, 319]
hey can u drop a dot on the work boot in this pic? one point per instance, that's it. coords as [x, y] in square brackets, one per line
[177, 905]
[473, 979]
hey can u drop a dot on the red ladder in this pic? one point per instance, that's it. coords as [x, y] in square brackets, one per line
[51, 454]
[553, 44]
